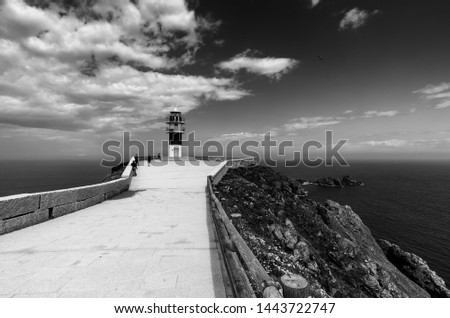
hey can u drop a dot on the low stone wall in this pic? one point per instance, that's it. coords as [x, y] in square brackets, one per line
[23, 210]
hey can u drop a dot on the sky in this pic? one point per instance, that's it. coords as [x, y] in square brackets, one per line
[75, 74]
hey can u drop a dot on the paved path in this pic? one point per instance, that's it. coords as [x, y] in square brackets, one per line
[156, 240]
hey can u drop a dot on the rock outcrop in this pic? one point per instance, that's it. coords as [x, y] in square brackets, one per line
[328, 244]
[329, 182]
[332, 182]
[415, 268]
[349, 181]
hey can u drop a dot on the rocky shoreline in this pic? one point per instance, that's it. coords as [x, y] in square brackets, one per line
[327, 243]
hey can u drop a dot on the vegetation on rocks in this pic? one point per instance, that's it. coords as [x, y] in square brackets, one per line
[328, 244]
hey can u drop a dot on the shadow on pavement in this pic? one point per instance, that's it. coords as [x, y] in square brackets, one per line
[127, 194]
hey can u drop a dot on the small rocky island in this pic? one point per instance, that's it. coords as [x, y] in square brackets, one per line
[326, 243]
[332, 182]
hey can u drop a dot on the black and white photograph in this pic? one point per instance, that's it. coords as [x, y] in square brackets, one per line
[200, 150]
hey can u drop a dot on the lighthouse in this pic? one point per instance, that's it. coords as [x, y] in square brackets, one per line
[175, 128]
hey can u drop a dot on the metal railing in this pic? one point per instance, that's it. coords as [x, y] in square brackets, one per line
[175, 130]
[175, 119]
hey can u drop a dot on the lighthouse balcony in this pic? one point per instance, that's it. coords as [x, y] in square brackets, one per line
[175, 130]
[175, 119]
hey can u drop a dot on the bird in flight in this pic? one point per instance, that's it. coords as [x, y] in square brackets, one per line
[320, 58]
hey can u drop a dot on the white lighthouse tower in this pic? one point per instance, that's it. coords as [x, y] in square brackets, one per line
[175, 128]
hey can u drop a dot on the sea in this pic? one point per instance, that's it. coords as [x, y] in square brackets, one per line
[28, 176]
[405, 202]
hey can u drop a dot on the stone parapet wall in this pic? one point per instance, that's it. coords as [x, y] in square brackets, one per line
[23, 210]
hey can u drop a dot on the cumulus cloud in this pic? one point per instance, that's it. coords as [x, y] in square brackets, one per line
[440, 92]
[310, 122]
[120, 30]
[268, 66]
[99, 68]
[355, 18]
[116, 98]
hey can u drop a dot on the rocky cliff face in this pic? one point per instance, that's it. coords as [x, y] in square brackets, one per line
[327, 243]
[415, 268]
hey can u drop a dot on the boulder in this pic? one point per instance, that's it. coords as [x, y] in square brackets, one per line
[301, 251]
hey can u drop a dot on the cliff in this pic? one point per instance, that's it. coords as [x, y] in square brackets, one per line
[415, 268]
[328, 244]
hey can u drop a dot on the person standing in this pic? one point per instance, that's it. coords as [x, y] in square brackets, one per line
[149, 159]
[134, 167]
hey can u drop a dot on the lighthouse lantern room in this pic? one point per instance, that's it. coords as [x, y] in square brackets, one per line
[175, 128]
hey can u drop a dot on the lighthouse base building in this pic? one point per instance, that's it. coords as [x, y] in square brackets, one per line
[175, 151]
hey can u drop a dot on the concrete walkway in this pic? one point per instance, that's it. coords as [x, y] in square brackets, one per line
[156, 240]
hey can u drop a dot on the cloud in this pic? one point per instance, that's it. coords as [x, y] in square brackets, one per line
[314, 122]
[432, 142]
[425, 143]
[268, 66]
[121, 30]
[444, 104]
[310, 122]
[314, 2]
[439, 92]
[355, 18]
[101, 70]
[240, 135]
[376, 113]
[433, 89]
[219, 42]
[386, 143]
[117, 98]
